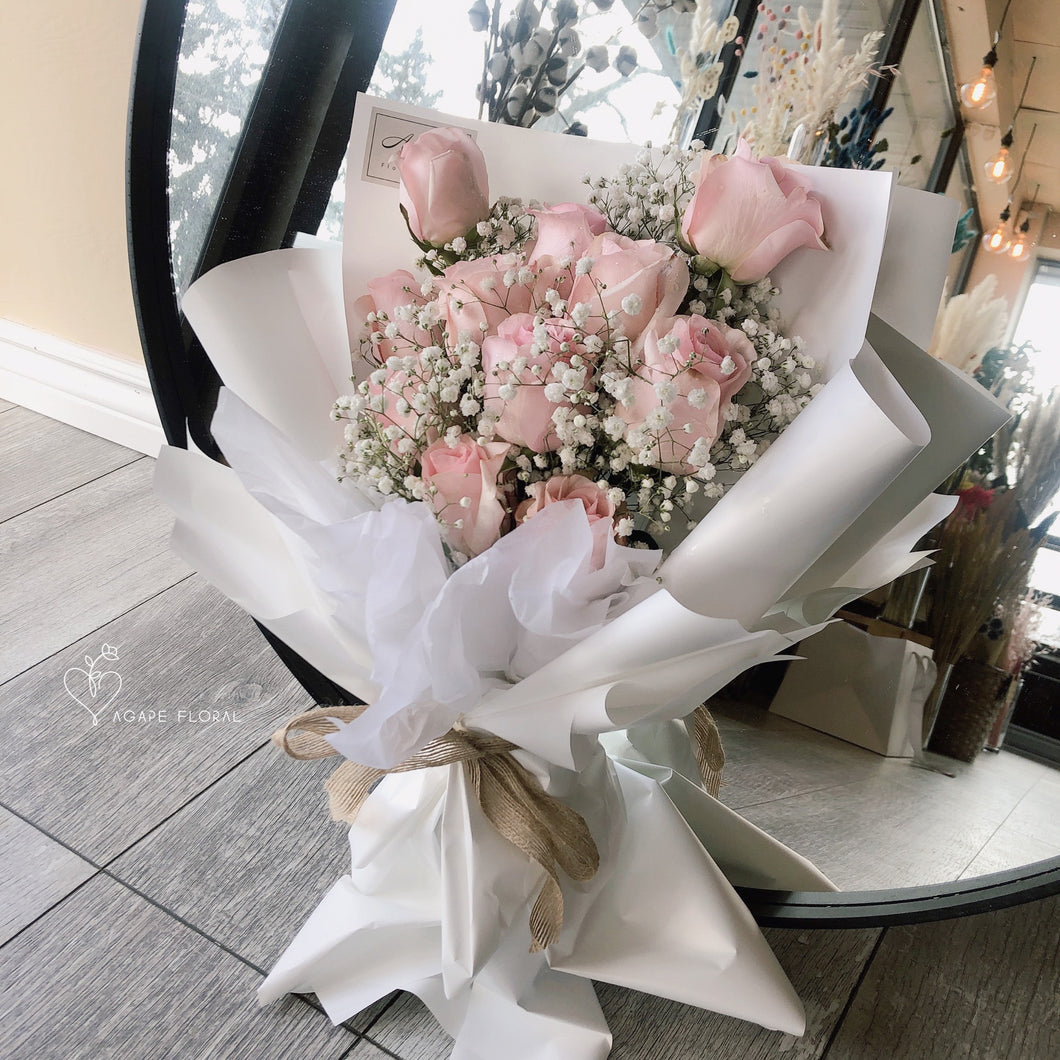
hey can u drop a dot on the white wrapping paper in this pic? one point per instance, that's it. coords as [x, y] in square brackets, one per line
[527, 643]
[383, 927]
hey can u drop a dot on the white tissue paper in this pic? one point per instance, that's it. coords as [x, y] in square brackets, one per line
[586, 671]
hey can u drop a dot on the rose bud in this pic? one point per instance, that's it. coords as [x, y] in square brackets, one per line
[444, 187]
[599, 508]
[703, 364]
[565, 230]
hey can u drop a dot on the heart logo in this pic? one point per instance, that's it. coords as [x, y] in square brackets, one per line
[93, 689]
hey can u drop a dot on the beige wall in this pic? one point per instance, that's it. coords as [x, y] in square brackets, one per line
[65, 69]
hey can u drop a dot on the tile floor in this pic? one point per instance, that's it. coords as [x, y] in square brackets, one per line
[153, 865]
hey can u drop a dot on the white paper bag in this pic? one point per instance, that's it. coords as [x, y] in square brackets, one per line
[867, 690]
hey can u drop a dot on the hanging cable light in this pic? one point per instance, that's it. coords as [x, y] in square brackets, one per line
[983, 90]
[999, 168]
[1022, 245]
[998, 240]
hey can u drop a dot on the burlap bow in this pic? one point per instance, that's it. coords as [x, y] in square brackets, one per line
[545, 829]
[548, 831]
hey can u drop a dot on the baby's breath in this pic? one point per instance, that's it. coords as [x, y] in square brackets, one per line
[418, 384]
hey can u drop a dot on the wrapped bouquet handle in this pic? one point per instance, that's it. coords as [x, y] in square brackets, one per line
[545, 829]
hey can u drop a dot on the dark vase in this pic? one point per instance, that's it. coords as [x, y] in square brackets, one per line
[968, 710]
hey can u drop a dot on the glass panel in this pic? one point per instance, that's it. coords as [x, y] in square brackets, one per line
[1037, 325]
[223, 51]
[425, 62]
[775, 29]
[1045, 576]
[921, 101]
[959, 188]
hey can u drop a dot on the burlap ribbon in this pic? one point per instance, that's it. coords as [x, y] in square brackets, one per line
[706, 742]
[545, 829]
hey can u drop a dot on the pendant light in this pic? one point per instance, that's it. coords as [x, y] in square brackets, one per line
[1022, 245]
[982, 91]
[999, 168]
[998, 240]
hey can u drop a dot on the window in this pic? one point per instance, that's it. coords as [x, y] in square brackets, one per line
[1037, 323]
[223, 51]
[432, 57]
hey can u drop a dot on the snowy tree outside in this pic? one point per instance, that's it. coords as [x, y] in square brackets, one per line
[223, 52]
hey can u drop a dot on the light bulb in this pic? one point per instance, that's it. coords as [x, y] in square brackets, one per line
[997, 240]
[1021, 245]
[982, 91]
[999, 168]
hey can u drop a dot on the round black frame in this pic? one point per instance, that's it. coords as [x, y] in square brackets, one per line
[334, 45]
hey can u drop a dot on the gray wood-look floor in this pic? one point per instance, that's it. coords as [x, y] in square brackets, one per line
[153, 864]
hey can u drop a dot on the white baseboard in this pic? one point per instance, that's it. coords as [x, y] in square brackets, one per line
[106, 396]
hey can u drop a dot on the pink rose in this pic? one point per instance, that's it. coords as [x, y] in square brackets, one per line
[475, 299]
[465, 469]
[565, 230]
[594, 500]
[525, 416]
[637, 278]
[444, 187]
[706, 363]
[747, 216]
[599, 508]
[385, 294]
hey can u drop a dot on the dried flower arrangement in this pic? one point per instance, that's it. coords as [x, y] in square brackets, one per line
[533, 53]
[807, 78]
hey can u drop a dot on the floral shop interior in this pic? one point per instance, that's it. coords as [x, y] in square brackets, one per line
[668, 558]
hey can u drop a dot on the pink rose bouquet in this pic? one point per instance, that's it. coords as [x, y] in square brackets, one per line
[545, 391]
[577, 344]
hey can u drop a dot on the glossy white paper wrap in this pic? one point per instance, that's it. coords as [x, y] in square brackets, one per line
[528, 642]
